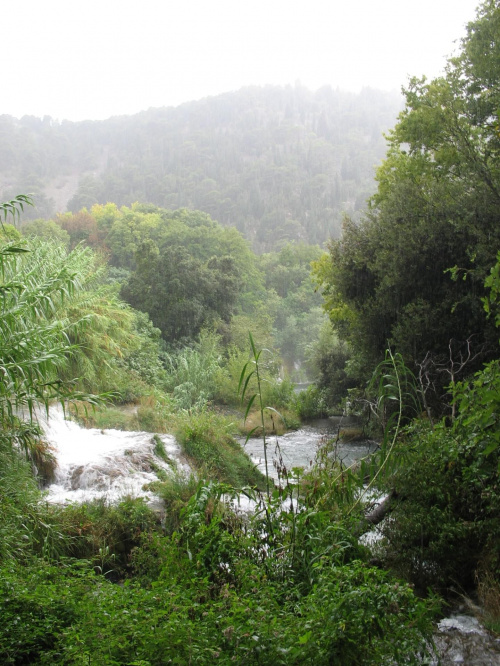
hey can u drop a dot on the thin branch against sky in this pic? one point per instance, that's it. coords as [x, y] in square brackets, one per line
[93, 59]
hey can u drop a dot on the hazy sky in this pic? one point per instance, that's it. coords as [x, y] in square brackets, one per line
[91, 59]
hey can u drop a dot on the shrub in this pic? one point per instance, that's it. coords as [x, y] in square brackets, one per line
[103, 533]
[311, 404]
[446, 519]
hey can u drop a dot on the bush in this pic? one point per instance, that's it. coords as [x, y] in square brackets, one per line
[103, 533]
[311, 404]
[279, 394]
[355, 615]
[36, 604]
[175, 492]
[446, 520]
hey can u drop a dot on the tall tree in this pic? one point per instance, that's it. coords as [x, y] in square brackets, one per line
[410, 274]
[180, 293]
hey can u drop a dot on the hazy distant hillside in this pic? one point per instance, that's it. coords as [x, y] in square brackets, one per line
[277, 163]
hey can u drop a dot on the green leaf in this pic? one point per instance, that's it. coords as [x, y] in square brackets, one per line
[249, 406]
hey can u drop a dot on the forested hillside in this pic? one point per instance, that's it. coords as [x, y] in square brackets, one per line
[279, 164]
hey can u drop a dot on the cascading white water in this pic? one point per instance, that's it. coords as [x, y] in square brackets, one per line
[94, 463]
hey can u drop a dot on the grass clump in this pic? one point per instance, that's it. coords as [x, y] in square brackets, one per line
[488, 590]
[207, 442]
[102, 533]
[275, 423]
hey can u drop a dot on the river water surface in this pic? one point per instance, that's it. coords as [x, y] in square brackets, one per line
[298, 448]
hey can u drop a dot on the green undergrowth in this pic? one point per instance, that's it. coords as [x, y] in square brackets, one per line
[208, 585]
[311, 404]
[71, 615]
[207, 441]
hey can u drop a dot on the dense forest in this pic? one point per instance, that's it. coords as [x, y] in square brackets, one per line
[279, 164]
[157, 299]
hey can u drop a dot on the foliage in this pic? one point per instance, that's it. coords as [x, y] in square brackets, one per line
[70, 616]
[492, 301]
[104, 534]
[412, 273]
[297, 313]
[12, 209]
[448, 504]
[311, 404]
[175, 492]
[179, 292]
[35, 607]
[192, 371]
[244, 384]
[19, 496]
[106, 417]
[196, 275]
[146, 359]
[216, 585]
[330, 360]
[48, 229]
[39, 333]
[286, 586]
[228, 375]
[279, 393]
[448, 487]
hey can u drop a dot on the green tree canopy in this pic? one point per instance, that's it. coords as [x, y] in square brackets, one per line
[180, 293]
[411, 273]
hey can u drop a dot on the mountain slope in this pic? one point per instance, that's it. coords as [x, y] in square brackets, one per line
[277, 163]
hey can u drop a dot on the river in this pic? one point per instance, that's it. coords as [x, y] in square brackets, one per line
[95, 463]
[298, 448]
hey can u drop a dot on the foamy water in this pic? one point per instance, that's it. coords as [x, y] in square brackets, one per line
[93, 463]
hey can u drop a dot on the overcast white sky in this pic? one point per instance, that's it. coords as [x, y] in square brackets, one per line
[91, 59]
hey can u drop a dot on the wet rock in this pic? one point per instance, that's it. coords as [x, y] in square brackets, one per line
[460, 639]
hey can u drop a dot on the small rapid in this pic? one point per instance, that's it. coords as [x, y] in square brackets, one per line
[94, 463]
[111, 464]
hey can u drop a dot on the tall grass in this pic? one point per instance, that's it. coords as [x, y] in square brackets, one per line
[206, 439]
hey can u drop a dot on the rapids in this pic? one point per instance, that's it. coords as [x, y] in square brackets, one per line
[93, 463]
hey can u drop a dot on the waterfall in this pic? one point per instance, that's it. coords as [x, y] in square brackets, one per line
[111, 464]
